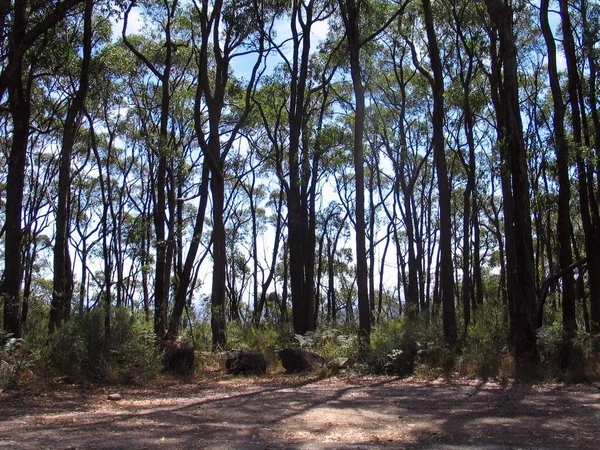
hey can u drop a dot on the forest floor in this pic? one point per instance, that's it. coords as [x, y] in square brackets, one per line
[304, 412]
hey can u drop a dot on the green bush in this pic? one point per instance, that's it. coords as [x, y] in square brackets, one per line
[16, 362]
[403, 347]
[79, 348]
[486, 347]
[330, 342]
[570, 357]
[264, 338]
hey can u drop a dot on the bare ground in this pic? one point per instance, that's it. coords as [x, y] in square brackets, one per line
[289, 412]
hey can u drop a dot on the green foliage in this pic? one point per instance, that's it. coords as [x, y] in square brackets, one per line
[16, 362]
[403, 347]
[486, 348]
[568, 357]
[264, 338]
[331, 342]
[79, 349]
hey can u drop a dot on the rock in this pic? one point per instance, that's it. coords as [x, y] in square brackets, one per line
[115, 397]
[240, 362]
[339, 364]
[299, 360]
[180, 360]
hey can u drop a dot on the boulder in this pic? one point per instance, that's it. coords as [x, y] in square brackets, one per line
[240, 362]
[180, 360]
[299, 360]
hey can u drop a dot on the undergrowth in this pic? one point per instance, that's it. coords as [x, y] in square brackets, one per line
[82, 350]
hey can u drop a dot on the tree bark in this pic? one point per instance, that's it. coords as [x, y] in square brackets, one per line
[444, 189]
[62, 291]
[517, 210]
[350, 14]
[562, 164]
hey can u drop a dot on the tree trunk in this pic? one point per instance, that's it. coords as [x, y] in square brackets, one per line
[562, 163]
[20, 110]
[517, 210]
[445, 206]
[350, 14]
[62, 291]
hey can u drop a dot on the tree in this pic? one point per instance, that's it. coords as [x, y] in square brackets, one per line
[515, 186]
[16, 78]
[562, 162]
[213, 96]
[63, 275]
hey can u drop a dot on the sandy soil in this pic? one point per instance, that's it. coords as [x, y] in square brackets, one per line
[290, 412]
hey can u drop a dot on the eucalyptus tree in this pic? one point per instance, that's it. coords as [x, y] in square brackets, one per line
[223, 31]
[362, 24]
[396, 105]
[60, 307]
[435, 76]
[25, 26]
[267, 139]
[297, 109]
[160, 59]
[588, 199]
[467, 40]
[42, 169]
[515, 184]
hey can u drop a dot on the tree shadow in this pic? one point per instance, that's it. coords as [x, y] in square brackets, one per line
[292, 413]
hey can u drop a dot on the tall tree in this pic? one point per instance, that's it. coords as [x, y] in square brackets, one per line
[222, 37]
[17, 80]
[515, 186]
[436, 79]
[163, 213]
[564, 180]
[62, 290]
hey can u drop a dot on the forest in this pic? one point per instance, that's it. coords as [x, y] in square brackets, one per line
[369, 178]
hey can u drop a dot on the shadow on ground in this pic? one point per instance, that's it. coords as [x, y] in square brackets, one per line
[307, 413]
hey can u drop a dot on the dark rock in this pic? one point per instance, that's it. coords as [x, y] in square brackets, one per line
[240, 362]
[180, 360]
[299, 360]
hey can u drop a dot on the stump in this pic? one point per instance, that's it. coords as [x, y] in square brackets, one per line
[180, 360]
[245, 363]
[299, 360]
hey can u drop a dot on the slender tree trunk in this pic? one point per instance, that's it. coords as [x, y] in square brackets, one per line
[185, 276]
[517, 210]
[350, 14]
[445, 206]
[62, 291]
[562, 164]
[218, 299]
[20, 111]
[585, 191]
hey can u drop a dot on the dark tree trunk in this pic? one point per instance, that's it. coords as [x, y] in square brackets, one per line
[185, 276]
[218, 299]
[62, 291]
[562, 164]
[20, 111]
[350, 13]
[517, 210]
[586, 191]
[446, 264]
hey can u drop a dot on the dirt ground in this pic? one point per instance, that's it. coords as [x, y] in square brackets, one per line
[291, 412]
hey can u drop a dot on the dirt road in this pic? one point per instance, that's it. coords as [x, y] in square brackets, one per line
[285, 412]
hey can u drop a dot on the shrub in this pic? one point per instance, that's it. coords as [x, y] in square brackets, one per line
[16, 362]
[79, 348]
[571, 357]
[264, 338]
[403, 346]
[486, 347]
[330, 342]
